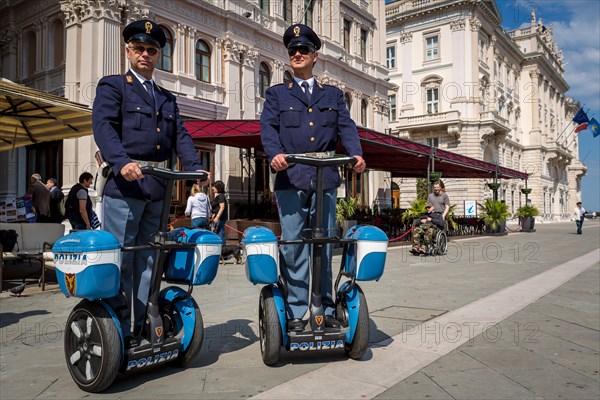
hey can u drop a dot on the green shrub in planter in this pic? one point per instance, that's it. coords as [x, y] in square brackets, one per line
[493, 212]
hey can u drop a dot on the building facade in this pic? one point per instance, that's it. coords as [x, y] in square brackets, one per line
[466, 85]
[220, 57]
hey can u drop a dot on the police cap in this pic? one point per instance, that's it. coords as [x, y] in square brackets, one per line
[145, 31]
[301, 35]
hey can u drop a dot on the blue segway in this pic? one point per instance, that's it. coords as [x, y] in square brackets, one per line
[363, 259]
[88, 266]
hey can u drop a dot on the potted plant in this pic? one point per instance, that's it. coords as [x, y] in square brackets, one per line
[435, 176]
[414, 211]
[344, 212]
[527, 214]
[494, 185]
[494, 214]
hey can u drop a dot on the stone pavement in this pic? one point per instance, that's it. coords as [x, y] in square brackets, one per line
[547, 347]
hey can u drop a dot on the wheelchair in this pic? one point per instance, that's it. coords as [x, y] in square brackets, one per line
[439, 242]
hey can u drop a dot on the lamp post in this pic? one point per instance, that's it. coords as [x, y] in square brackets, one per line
[495, 185]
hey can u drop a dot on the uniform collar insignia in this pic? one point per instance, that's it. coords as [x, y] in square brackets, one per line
[290, 85]
[129, 79]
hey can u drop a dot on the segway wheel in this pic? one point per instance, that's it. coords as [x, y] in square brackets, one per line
[360, 343]
[92, 346]
[191, 352]
[269, 328]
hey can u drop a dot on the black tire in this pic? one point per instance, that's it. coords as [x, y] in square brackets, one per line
[269, 327]
[360, 343]
[193, 349]
[92, 346]
[441, 243]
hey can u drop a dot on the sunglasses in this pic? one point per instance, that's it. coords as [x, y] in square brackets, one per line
[137, 49]
[304, 50]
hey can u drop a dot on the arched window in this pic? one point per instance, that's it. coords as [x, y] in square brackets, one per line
[287, 77]
[29, 50]
[202, 61]
[363, 112]
[165, 61]
[348, 101]
[57, 43]
[264, 78]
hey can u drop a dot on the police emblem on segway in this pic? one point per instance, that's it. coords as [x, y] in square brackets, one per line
[159, 331]
[70, 282]
[319, 319]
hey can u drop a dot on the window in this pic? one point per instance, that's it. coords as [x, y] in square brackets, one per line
[433, 142]
[57, 49]
[202, 61]
[432, 100]
[390, 57]
[287, 10]
[29, 48]
[392, 99]
[308, 12]
[363, 43]
[264, 78]
[348, 101]
[432, 48]
[166, 55]
[363, 112]
[264, 6]
[287, 77]
[347, 27]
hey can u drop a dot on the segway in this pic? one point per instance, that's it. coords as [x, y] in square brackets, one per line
[363, 258]
[88, 266]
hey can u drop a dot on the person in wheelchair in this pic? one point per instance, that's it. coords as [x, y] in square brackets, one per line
[425, 229]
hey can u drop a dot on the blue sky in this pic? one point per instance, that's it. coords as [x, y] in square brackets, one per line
[576, 30]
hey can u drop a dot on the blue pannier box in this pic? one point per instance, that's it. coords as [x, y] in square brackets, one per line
[197, 265]
[262, 255]
[366, 257]
[88, 264]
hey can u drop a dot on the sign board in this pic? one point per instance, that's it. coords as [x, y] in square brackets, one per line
[470, 208]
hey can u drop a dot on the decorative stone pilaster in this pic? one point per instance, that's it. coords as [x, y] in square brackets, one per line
[458, 25]
[406, 37]
[475, 24]
[231, 50]
[77, 11]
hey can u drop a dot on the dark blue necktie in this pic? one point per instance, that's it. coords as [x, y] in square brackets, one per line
[306, 89]
[150, 89]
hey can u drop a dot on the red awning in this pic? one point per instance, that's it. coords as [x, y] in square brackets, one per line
[401, 157]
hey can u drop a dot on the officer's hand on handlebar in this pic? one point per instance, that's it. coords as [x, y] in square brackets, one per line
[279, 162]
[360, 164]
[131, 172]
[205, 181]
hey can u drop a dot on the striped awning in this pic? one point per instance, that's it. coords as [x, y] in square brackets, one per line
[30, 116]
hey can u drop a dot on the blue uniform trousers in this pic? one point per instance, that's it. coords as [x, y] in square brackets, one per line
[294, 206]
[134, 222]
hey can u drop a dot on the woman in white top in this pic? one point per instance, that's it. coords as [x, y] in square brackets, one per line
[198, 207]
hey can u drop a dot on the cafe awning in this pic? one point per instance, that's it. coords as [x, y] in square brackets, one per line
[401, 157]
[30, 116]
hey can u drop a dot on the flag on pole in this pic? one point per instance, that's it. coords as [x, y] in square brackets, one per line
[581, 127]
[581, 117]
[594, 126]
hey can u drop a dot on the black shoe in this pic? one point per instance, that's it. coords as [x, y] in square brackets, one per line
[331, 322]
[295, 325]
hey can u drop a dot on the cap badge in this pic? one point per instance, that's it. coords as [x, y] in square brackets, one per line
[296, 31]
[148, 26]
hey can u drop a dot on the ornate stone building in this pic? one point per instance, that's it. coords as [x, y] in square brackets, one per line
[466, 85]
[220, 57]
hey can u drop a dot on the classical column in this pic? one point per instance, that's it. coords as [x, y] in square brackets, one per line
[249, 84]
[94, 48]
[534, 133]
[409, 86]
[233, 85]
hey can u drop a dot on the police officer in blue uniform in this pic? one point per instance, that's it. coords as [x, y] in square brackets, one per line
[301, 117]
[137, 123]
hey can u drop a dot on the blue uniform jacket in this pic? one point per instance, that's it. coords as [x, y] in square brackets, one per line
[289, 125]
[127, 127]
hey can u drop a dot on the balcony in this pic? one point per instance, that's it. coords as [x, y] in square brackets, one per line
[426, 122]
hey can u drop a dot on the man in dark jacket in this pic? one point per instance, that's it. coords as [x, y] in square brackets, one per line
[425, 230]
[40, 196]
[56, 198]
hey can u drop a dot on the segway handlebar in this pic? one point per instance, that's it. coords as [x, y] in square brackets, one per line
[320, 159]
[173, 175]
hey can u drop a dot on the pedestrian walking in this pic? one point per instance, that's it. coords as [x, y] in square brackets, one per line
[579, 214]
